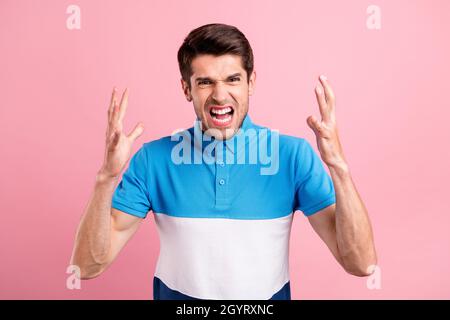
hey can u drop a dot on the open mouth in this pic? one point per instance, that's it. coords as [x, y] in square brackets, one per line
[221, 116]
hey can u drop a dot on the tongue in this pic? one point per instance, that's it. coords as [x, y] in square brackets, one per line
[221, 116]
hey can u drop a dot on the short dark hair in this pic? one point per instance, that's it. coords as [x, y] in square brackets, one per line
[216, 39]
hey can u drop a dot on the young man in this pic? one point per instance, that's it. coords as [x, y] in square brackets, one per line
[224, 223]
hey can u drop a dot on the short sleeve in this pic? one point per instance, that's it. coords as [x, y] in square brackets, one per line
[131, 195]
[314, 186]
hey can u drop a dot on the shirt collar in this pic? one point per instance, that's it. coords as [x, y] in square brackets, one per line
[230, 144]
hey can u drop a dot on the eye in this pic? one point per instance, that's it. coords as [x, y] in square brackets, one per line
[235, 79]
[204, 82]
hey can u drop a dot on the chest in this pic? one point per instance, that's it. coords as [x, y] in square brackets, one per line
[221, 190]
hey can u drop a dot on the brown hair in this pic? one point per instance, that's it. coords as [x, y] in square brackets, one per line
[216, 39]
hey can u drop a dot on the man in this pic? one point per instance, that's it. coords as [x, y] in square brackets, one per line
[224, 223]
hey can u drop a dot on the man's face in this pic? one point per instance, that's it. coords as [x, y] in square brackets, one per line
[220, 92]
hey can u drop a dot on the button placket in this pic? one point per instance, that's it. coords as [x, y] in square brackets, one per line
[222, 182]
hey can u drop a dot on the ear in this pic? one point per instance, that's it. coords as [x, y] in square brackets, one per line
[251, 83]
[186, 90]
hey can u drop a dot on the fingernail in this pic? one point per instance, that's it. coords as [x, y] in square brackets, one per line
[323, 77]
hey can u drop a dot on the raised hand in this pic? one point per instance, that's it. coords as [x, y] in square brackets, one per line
[118, 144]
[326, 130]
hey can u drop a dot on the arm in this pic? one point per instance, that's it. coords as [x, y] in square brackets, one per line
[344, 227]
[347, 233]
[104, 231]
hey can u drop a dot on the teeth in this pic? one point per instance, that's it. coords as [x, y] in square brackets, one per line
[222, 120]
[221, 111]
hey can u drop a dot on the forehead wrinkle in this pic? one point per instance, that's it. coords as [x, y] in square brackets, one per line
[217, 67]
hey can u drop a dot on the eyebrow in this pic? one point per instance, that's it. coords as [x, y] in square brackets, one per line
[238, 74]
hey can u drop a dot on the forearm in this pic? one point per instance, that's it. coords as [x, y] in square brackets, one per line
[93, 237]
[353, 227]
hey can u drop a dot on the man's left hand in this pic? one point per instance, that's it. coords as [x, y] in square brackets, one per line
[326, 130]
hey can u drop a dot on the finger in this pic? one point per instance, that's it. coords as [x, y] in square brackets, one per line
[111, 103]
[329, 94]
[137, 131]
[314, 124]
[123, 105]
[115, 117]
[112, 124]
[323, 106]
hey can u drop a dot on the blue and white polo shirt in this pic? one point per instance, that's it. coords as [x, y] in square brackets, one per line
[224, 219]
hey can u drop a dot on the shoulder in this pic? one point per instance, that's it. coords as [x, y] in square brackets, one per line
[157, 145]
[160, 149]
[285, 139]
[292, 144]
[297, 149]
[289, 145]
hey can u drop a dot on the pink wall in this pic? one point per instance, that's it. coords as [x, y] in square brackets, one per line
[392, 109]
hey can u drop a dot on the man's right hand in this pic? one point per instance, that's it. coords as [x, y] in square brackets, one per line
[118, 144]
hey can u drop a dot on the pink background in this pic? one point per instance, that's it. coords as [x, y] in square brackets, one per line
[392, 109]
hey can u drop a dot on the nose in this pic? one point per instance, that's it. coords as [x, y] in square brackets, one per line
[219, 93]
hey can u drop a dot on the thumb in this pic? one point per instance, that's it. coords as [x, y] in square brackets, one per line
[137, 131]
[313, 124]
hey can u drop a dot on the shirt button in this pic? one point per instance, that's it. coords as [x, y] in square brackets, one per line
[221, 164]
[221, 182]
